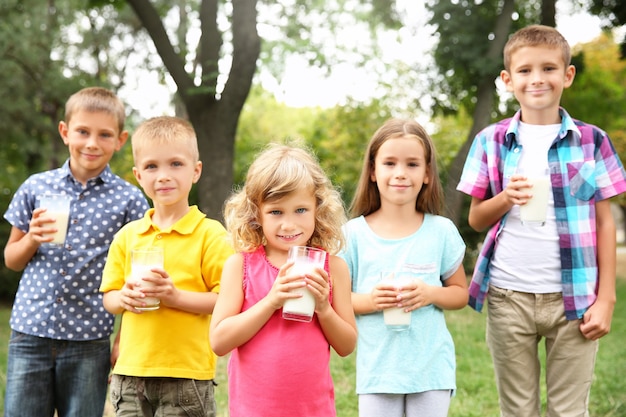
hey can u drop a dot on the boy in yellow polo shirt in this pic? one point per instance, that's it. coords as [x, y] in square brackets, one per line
[165, 362]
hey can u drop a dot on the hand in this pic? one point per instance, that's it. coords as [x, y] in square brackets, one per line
[318, 285]
[160, 286]
[416, 295]
[131, 298]
[283, 285]
[596, 322]
[41, 228]
[516, 190]
[387, 295]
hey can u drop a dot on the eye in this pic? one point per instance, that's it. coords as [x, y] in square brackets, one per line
[150, 166]
[275, 212]
[301, 210]
[177, 164]
[389, 163]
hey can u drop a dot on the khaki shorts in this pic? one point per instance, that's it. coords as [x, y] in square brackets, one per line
[516, 324]
[172, 397]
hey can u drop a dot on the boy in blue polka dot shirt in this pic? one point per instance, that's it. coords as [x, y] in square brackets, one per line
[59, 349]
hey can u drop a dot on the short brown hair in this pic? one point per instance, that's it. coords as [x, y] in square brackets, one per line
[165, 130]
[536, 35]
[96, 99]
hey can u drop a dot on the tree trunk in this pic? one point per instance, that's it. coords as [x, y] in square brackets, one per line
[214, 117]
[482, 113]
[548, 12]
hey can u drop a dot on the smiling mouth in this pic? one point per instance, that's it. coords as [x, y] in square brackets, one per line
[290, 237]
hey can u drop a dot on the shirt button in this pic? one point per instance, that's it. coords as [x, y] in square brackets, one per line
[159, 236]
[516, 150]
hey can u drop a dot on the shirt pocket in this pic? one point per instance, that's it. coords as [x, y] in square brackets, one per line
[582, 180]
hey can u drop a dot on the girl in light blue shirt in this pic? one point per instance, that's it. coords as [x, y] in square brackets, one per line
[396, 227]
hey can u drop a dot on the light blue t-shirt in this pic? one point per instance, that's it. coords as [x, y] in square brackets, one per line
[421, 358]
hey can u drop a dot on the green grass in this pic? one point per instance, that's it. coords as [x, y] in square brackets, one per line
[476, 394]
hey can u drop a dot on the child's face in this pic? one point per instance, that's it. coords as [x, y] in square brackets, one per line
[92, 138]
[537, 77]
[166, 173]
[400, 171]
[289, 221]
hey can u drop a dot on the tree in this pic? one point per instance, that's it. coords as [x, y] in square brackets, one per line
[613, 13]
[214, 79]
[469, 58]
[213, 113]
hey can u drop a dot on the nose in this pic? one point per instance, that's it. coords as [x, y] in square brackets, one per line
[400, 171]
[288, 224]
[92, 141]
[537, 77]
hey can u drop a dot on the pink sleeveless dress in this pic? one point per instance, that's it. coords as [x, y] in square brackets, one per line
[284, 370]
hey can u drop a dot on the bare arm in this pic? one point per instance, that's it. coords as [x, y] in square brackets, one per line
[231, 327]
[596, 321]
[337, 321]
[129, 297]
[485, 213]
[21, 246]
[452, 296]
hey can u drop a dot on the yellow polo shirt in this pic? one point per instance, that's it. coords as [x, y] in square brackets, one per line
[168, 342]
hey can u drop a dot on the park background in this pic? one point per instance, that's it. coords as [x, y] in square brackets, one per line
[238, 67]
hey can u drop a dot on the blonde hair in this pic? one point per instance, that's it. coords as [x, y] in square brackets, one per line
[536, 35]
[276, 172]
[367, 197]
[165, 130]
[96, 99]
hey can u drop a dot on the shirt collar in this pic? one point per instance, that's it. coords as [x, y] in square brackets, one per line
[567, 125]
[184, 226]
[106, 175]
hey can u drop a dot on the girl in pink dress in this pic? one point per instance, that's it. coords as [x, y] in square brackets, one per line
[280, 367]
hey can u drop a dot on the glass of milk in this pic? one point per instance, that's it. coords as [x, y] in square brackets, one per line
[305, 259]
[142, 261]
[58, 208]
[396, 319]
[533, 213]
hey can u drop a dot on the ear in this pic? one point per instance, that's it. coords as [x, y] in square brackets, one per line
[197, 172]
[121, 140]
[63, 129]
[506, 79]
[570, 73]
[137, 174]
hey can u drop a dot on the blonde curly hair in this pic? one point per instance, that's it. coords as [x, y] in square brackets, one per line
[276, 172]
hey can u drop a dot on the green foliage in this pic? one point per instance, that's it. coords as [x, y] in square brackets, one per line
[613, 12]
[338, 136]
[464, 31]
[451, 131]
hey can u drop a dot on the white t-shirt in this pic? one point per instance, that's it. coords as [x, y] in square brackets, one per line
[527, 258]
